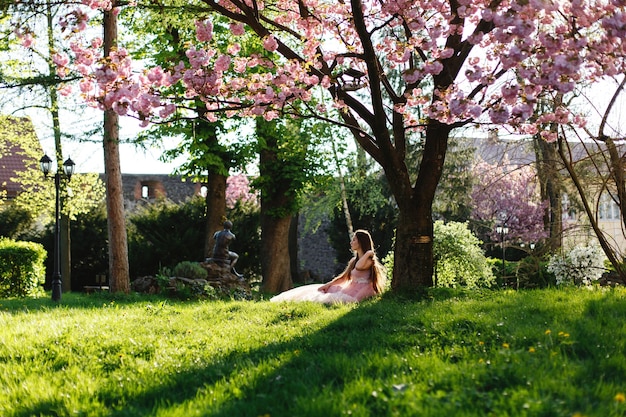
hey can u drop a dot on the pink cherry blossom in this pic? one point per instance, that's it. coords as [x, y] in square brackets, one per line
[237, 29]
[204, 30]
[270, 43]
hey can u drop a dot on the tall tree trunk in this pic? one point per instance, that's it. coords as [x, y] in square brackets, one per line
[276, 203]
[550, 190]
[275, 260]
[65, 249]
[215, 209]
[413, 263]
[119, 277]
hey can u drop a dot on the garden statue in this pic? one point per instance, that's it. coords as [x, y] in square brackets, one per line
[221, 254]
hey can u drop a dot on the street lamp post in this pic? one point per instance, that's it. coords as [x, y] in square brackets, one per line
[503, 231]
[68, 169]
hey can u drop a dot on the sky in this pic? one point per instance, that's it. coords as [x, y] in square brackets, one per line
[89, 156]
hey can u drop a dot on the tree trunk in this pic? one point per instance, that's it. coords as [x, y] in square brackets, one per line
[550, 190]
[119, 277]
[276, 206]
[275, 260]
[413, 263]
[65, 249]
[215, 209]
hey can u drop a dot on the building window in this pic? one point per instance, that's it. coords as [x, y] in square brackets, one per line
[203, 191]
[608, 208]
[145, 191]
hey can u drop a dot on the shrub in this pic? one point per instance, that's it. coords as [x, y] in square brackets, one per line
[14, 221]
[459, 260]
[581, 266]
[188, 269]
[21, 268]
[163, 234]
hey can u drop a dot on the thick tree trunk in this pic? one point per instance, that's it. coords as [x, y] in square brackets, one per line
[275, 259]
[276, 206]
[119, 277]
[413, 253]
[215, 209]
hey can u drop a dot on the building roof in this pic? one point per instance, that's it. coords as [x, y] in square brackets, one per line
[14, 157]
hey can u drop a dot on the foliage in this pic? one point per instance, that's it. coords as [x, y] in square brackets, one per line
[188, 269]
[532, 272]
[14, 221]
[162, 234]
[459, 259]
[500, 353]
[453, 200]
[247, 227]
[583, 265]
[507, 196]
[290, 159]
[371, 207]
[21, 268]
[238, 190]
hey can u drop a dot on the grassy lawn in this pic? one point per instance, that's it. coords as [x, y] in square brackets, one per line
[504, 353]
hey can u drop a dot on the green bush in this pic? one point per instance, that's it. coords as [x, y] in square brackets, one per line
[191, 270]
[21, 268]
[459, 260]
[163, 234]
[14, 221]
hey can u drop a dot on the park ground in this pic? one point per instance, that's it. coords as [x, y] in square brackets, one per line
[549, 352]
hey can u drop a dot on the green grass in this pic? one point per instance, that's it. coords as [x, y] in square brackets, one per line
[529, 353]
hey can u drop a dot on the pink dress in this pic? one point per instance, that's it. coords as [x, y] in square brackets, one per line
[356, 289]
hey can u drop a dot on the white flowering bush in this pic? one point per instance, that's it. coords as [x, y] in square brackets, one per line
[582, 266]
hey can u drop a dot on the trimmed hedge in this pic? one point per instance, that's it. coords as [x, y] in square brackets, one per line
[22, 268]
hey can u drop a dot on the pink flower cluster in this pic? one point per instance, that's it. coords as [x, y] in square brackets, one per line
[238, 189]
[470, 60]
[507, 194]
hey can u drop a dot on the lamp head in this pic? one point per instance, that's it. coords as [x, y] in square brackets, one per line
[46, 165]
[68, 168]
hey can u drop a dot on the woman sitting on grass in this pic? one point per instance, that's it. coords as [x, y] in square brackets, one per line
[363, 278]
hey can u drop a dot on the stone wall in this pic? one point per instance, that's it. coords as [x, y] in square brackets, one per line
[317, 260]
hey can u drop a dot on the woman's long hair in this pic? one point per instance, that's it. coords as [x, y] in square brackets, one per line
[378, 270]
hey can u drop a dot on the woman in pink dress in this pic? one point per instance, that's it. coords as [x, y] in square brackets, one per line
[363, 278]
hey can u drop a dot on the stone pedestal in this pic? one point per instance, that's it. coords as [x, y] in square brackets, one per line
[220, 277]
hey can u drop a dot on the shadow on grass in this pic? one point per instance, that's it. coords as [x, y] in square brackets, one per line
[303, 375]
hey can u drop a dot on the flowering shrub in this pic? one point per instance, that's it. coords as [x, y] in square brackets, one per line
[582, 266]
[238, 189]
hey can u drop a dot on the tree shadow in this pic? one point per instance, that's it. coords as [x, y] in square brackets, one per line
[300, 372]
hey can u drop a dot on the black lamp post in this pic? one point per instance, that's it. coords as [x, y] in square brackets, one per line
[503, 231]
[68, 169]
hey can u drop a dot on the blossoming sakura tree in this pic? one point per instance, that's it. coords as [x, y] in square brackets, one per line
[385, 70]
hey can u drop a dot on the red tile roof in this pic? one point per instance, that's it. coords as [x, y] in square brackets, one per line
[13, 157]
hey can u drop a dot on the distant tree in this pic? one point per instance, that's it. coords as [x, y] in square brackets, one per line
[507, 196]
[287, 165]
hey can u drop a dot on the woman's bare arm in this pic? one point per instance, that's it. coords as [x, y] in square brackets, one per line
[366, 261]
